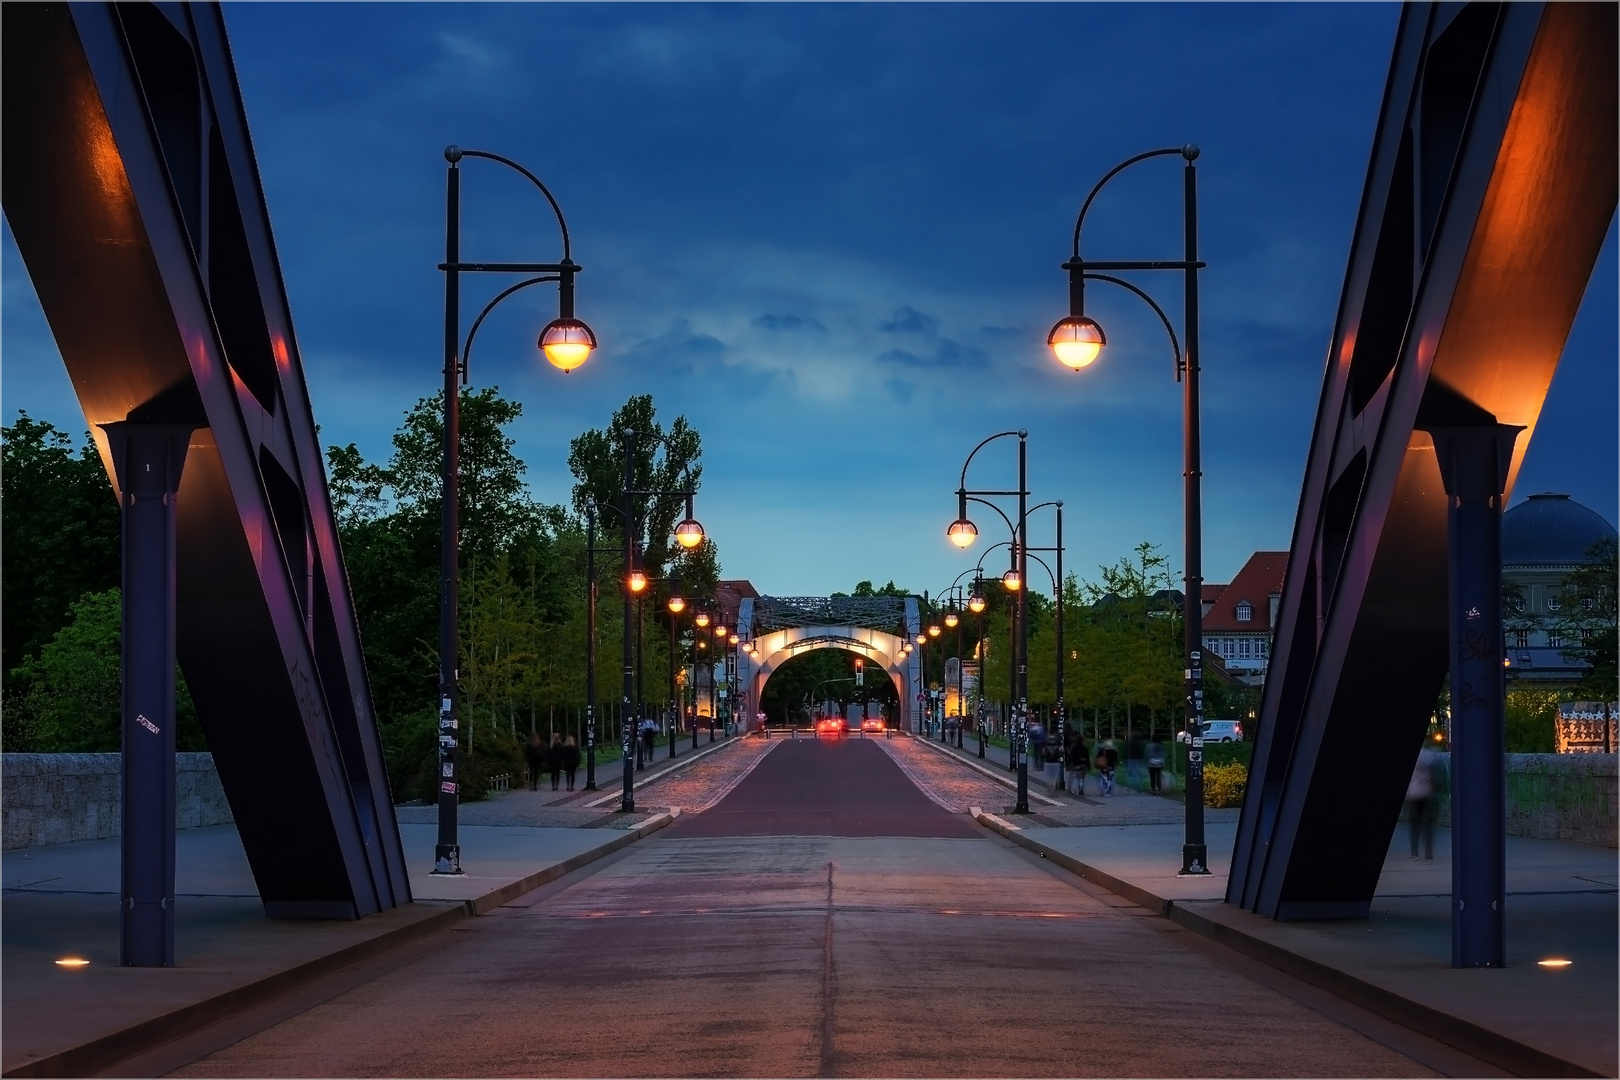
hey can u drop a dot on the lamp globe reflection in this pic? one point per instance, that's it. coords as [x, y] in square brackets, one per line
[567, 343]
[1076, 340]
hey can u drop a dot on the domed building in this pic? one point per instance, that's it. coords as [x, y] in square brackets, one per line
[1543, 538]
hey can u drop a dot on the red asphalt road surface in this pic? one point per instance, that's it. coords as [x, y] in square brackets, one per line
[827, 786]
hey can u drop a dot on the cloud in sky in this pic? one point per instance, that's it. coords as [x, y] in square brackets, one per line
[829, 235]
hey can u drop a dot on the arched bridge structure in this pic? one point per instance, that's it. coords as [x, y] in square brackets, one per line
[874, 627]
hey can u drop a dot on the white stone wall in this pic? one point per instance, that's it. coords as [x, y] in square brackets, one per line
[59, 798]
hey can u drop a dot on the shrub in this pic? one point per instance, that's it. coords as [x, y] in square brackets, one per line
[1223, 784]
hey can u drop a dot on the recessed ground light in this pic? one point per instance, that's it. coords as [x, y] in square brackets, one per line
[72, 961]
[1555, 962]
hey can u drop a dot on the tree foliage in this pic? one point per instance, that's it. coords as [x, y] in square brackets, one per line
[59, 530]
[1587, 620]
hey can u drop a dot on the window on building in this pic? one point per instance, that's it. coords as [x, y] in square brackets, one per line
[1261, 647]
[1555, 640]
[1245, 612]
[1586, 635]
[1589, 604]
[1243, 647]
[1521, 639]
[1553, 603]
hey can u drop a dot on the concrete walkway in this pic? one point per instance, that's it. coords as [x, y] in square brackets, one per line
[1528, 1019]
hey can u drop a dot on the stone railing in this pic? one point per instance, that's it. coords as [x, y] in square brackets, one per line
[58, 798]
[1569, 797]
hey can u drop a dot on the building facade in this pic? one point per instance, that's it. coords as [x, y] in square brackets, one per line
[1543, 539]
[1239, 617]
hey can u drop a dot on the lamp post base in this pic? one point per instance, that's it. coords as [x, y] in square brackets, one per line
[1194, 859]
[447, 859]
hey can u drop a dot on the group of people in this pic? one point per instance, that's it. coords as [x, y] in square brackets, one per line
[559, 759]
[1077, 758]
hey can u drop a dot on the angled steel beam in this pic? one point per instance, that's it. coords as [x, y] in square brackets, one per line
[1491, 185]
[133, 192]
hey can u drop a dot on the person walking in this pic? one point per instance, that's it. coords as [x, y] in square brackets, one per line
[535, 755]
[1079, 761]
[1155, 762]
[554, 760]
[570, 760]
[1420, 804]
[1107, 760]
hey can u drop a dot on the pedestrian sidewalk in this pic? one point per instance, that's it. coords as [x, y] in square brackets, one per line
[1527, 1019]
[61, 901]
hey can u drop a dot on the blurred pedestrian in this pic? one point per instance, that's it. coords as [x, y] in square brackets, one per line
[535, 755]
[1420, 803]
[570, 760]
[649, 737]
[1107, 760]
[1052, 764]
[554, 759]
[1155, 762]
[1079, 761]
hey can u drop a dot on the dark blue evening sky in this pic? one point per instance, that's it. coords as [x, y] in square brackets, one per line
[830, 236]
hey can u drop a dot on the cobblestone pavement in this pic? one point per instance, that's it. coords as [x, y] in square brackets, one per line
[952, 783]
[692, 788]
[948, 782]
[707, 782]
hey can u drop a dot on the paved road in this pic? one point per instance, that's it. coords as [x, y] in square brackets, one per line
[824, 919]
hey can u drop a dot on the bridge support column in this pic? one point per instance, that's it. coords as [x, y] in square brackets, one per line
[148, 459]
[1473, 466]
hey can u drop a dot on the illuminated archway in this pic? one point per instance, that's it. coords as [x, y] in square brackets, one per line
[776, 644]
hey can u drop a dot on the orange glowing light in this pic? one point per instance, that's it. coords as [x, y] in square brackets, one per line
[567, 343]
[1076, 341]
[72, 962]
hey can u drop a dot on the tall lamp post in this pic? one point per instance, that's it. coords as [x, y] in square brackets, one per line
[1077, 340]
[567, 343]
[689, 534]
[962, 533]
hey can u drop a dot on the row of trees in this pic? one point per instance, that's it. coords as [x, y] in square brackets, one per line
[1122, 640]
[524, 590]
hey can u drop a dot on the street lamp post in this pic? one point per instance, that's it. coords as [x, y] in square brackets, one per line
[567, 343]
[688, 534]
[1077, 340]
[590, 647]
[962, 533]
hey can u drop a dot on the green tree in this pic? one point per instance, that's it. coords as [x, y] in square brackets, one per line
[59, 530]
[71, 693]
[1587, 620]
[661, 460]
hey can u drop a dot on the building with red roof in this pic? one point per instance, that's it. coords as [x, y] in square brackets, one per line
[1239, 617]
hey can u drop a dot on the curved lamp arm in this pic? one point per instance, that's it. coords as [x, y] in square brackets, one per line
[1189, 152]
[980, 566]
[1048, 570]
[961, 489]
[466, 349]
[456, 153]
[1175, 346]
[974, 498]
